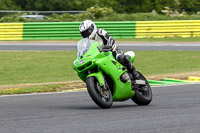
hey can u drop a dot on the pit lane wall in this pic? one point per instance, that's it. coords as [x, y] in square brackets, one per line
[117, 29]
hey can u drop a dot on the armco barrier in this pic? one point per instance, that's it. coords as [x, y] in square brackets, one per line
[51, 30]
[11, 31]
[117, 29]
[70, 30]
[161, 29]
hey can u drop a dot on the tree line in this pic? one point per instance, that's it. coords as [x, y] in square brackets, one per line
[119, 6]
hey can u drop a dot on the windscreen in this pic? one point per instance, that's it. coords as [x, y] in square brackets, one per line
[83, 46]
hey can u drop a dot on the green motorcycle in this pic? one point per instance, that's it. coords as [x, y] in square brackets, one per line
[106, 79]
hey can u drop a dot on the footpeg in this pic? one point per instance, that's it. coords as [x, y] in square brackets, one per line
[140, 82]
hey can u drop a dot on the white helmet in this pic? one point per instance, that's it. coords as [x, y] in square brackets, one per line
[88, 29]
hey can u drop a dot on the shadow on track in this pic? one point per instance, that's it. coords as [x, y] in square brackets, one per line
[94, 107]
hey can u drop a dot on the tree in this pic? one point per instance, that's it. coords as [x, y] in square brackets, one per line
[131, 6]
[160, 4]
[8, 5]
[120, 6]
[190, 5]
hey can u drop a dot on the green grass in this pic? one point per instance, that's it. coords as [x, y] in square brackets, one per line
[18, 67]
[36, 66]
[163, 62]
[33, 89]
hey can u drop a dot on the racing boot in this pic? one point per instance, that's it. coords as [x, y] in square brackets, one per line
[130, 67]
[136, 75]
[125, 60]
[137, 78]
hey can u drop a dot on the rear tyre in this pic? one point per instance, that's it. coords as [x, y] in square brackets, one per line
[143, 94]
[102, 98]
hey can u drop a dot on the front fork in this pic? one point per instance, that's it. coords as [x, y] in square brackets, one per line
[99, 76]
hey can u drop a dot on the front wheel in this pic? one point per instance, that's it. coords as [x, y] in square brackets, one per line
[143, 93]
[102, 98]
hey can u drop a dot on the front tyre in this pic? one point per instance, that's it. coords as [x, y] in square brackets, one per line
[102, 98]
[143, 94]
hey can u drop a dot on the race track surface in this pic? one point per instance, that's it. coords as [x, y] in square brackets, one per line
[174, 109]
[137, 46]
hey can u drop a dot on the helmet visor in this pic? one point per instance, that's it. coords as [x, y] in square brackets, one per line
[87, 32]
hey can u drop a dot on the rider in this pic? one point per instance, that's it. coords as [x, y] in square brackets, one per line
[89, 30]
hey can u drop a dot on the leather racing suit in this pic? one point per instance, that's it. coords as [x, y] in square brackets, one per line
[104, 38]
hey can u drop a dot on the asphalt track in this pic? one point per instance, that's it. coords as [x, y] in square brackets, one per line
[136, 46]
[174, 109]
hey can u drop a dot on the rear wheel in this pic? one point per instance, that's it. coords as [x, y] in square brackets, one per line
[102, 98]
[143, 93]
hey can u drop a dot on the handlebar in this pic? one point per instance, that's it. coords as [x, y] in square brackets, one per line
[106, 48]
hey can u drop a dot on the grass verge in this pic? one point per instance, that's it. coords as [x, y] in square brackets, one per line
[42, 87]
[21, 67]
[79, 85]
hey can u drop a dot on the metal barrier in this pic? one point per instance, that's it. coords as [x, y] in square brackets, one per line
[51, 30]
[161, 29]
[40, 12]
[117, 29]
[70, 30]
[11, 31]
